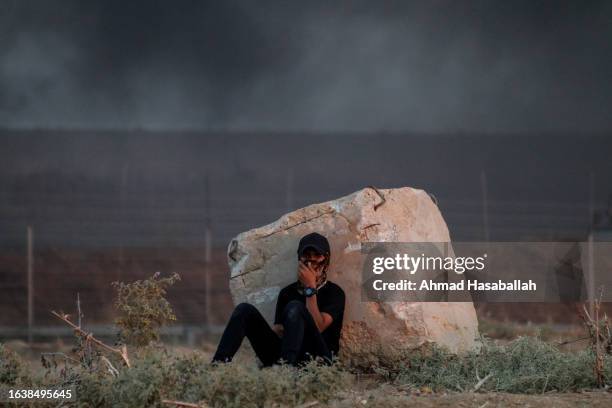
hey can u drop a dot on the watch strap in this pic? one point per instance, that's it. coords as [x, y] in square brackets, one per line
[309, 291]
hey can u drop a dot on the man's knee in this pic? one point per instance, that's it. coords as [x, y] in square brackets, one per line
[294, 310]
[244, 309]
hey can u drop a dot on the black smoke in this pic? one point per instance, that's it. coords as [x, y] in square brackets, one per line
[324, 66]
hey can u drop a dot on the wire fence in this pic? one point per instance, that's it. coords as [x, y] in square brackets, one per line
[83, 242]
[99, 220]
[124, 204]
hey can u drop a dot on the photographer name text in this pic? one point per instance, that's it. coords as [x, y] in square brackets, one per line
[470, 284]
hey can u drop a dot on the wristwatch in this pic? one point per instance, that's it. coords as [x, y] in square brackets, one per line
[308, 292]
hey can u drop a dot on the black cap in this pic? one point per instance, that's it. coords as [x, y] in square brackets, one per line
[315, 241]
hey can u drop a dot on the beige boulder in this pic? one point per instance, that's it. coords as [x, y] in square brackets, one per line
[263, 260]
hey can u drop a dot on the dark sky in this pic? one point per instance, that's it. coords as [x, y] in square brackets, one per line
[442, 65]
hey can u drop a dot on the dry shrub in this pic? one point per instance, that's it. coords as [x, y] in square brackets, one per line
[143, 309]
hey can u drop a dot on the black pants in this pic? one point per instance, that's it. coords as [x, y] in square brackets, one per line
[300, 342]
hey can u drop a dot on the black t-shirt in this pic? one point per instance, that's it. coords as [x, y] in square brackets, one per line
[330, 299]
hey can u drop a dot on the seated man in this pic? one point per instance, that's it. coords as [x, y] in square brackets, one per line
[308, 315]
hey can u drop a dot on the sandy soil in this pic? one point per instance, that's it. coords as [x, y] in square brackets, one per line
[386, 397]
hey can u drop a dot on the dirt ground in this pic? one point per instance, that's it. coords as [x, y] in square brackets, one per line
[593, 399]
[390, 396]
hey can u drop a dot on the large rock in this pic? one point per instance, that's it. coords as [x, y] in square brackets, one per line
[264, 259]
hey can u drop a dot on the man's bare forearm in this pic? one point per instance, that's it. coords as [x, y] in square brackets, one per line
[313, 308]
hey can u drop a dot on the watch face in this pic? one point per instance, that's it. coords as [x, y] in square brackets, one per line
[309, 291]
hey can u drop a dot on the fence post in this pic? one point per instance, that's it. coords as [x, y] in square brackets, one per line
[485, 204]
[591, 270]
[207, 251]
[289, 191]
[30, 284]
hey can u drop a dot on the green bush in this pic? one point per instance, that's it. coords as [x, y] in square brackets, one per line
[142, 385]
[12, 369]
[93, 389]
[156, 374]
[13, 372]
[236, 385]
[526, 365]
